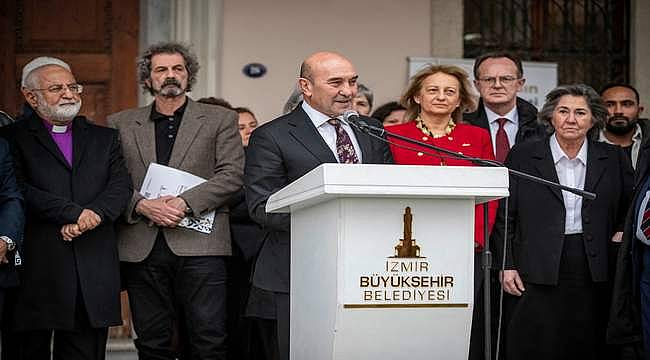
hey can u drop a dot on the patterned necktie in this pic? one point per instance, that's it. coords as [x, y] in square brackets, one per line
[502, 143]
[344, 147]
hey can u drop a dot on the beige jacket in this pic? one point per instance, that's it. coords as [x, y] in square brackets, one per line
[207, 145]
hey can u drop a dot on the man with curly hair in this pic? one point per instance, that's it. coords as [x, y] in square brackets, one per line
[175, 276]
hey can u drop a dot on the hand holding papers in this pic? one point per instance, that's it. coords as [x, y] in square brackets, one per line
[161, 211]
[162, 181]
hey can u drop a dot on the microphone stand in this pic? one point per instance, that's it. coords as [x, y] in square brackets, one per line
[363, 126]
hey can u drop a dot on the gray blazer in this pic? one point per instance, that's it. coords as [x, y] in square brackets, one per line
[207, 145]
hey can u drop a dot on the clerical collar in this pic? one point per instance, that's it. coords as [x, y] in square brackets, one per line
[57, 129]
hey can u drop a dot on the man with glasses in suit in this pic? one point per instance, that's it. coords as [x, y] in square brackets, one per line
[498, 77]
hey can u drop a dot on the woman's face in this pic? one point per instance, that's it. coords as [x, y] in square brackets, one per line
[571, 118]
[361, 105]
[395, 117]
[247, 123]
[439, 94]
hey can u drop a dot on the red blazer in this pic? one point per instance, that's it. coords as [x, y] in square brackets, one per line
[466, 139]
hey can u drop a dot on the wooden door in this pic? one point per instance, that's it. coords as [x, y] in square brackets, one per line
[98, 38]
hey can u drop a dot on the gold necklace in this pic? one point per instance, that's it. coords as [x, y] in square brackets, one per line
[419, 123]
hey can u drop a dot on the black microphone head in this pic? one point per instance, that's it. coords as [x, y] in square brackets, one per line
[350, 115]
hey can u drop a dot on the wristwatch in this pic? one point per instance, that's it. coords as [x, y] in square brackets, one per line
[11, 245]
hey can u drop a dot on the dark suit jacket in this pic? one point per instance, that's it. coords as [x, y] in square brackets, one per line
[247, 235]
[529, 127]
[12, 217]
[537, 215]
[280, 152]
[625, 317]
[5, 119]
[55, 194]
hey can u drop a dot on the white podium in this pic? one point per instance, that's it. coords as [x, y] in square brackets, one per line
[382, 259]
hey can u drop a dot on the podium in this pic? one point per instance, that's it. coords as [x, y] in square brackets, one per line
[382, 259]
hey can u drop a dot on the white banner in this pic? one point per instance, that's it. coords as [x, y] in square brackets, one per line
[414, 260]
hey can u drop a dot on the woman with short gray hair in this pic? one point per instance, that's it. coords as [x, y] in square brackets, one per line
[557, 258]
[362, 102]
[591, 97]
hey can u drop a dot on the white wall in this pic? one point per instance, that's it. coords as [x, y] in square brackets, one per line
[280, 33]
[198, 22]
[155, 26]
[447, 28]
[640, 51]
[376, 35]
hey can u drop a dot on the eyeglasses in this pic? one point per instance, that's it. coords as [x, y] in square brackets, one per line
[503, 80]
[60, 89]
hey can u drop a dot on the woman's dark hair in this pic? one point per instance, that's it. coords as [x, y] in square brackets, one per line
[382, 112]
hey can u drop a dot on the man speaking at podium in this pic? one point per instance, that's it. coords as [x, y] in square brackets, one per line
[282, 151]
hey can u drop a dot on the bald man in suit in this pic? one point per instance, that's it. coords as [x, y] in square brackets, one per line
[285, 149]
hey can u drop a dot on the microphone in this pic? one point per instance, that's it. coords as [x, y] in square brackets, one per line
[351, 116]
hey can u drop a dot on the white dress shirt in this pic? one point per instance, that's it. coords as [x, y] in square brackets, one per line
[327, 131]
[511, 126]
[570, 172]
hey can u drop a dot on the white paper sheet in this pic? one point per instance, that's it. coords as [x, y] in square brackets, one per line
[163, 180]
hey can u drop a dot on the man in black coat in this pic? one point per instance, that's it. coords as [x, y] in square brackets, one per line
[75, 185]
[285, 149]
[11, 225]
[498, 77]
[629, 319]
[5, 119]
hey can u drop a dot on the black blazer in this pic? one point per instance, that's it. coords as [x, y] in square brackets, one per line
[247, 235]
[12, 217]
[536, 213]
[624, 324]
[280, 152]
[55, 194]
[529, 127]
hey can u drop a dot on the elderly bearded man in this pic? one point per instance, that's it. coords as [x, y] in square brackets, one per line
[75, 185]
